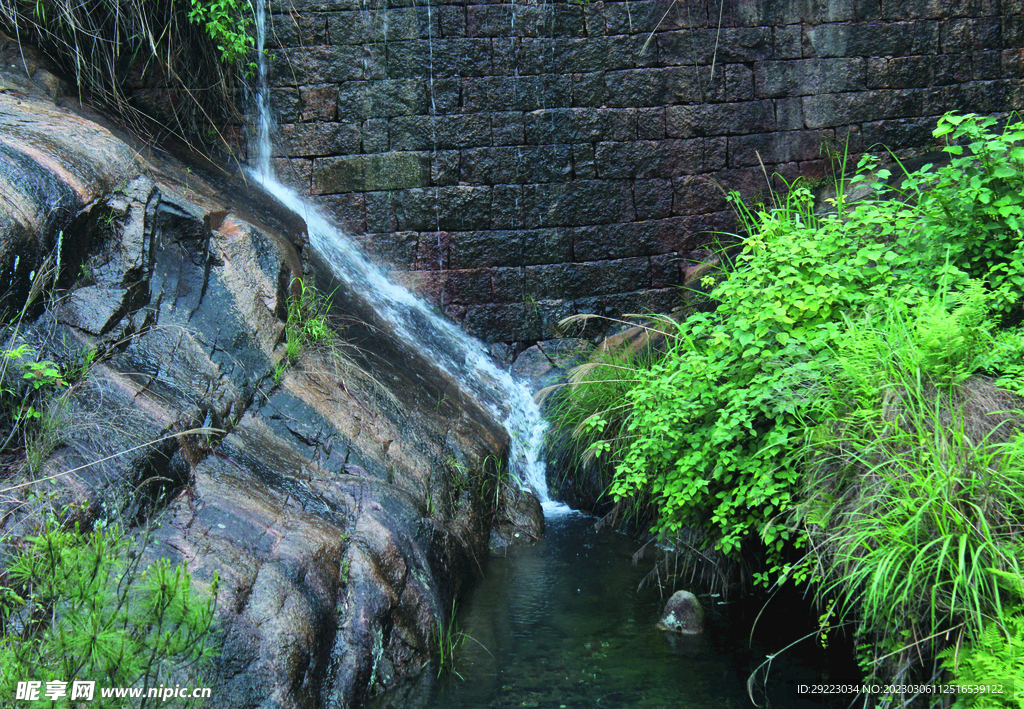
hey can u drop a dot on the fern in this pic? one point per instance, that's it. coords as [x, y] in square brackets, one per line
[995, 658]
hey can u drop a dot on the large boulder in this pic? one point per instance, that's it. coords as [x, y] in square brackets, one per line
[343, 500]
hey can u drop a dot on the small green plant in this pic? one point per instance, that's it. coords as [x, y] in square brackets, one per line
[449, 641]
[85, 609]
[307, 322]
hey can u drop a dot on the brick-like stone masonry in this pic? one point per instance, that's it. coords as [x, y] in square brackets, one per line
[518, 162]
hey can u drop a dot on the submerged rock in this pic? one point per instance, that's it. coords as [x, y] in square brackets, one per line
[683, 614]
[343, 500]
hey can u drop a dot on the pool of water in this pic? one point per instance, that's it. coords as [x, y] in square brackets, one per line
[561, 625]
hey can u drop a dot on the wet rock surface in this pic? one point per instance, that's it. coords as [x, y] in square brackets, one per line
[683, 614]
[343, 500]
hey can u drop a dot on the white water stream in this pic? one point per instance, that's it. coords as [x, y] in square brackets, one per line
[447, 346]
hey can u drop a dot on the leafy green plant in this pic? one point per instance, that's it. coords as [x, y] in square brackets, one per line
[79, 606]
[227, 22]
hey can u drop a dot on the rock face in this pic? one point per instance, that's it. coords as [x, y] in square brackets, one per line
[343, 500]
[683, 614]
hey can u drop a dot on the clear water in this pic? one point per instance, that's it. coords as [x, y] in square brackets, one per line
[561, 625]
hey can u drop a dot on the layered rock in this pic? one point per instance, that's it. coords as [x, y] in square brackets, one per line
[343, 501]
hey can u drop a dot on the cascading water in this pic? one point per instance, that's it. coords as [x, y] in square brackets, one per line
[452, 350]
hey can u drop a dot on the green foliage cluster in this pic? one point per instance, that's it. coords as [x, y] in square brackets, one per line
[79, 606]
[831, 413]
[996, 658]
[228, 24]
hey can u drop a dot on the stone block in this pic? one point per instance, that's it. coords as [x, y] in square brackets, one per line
[483, 249]
[466, 286]
[708, 45]
[899, 134]
[577, 203]
[507, 128]
[1013, 30]
[652, 198]
[976, 96]
[505, 53]
[507, 207]
[451, 208]
[444, 167]
[588, 89]
[285, 104]
[800, 77]
[439, 132]
[516, 165]
[789, 113]
[560, 20]
[777, 147]
[296, 66]
[317, 139]
[505, 93]
[858, 107]
[648, 158]
[366, 173]
[646, 16]
[787, 42]
[583, 167]
[579, 125]
[666, 271]
[869, 39]
[970, 35]
[720, 119]
[546, 246]
[432, 249]
[427, 286]
[348, 211]
[375, 135]
[697, 193]
[380, 212]
[611, 241]
[382, 99]
[987, 65]
[931, 9]
[440, 57]
[558, 55]
[507, 284]
[900, 72]
[650, 123]
[635, 88]
[297, 30]
[317, 102]
[396, 249]
[295, 173]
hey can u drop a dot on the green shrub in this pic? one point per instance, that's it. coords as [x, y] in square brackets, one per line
[78, 606]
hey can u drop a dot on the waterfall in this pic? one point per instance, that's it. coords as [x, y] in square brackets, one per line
[446, 345]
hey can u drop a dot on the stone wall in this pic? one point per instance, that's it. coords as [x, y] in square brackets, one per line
[518, 162]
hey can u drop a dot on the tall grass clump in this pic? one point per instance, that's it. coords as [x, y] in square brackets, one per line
[849, 416]
[913, 491]
[190, 49]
